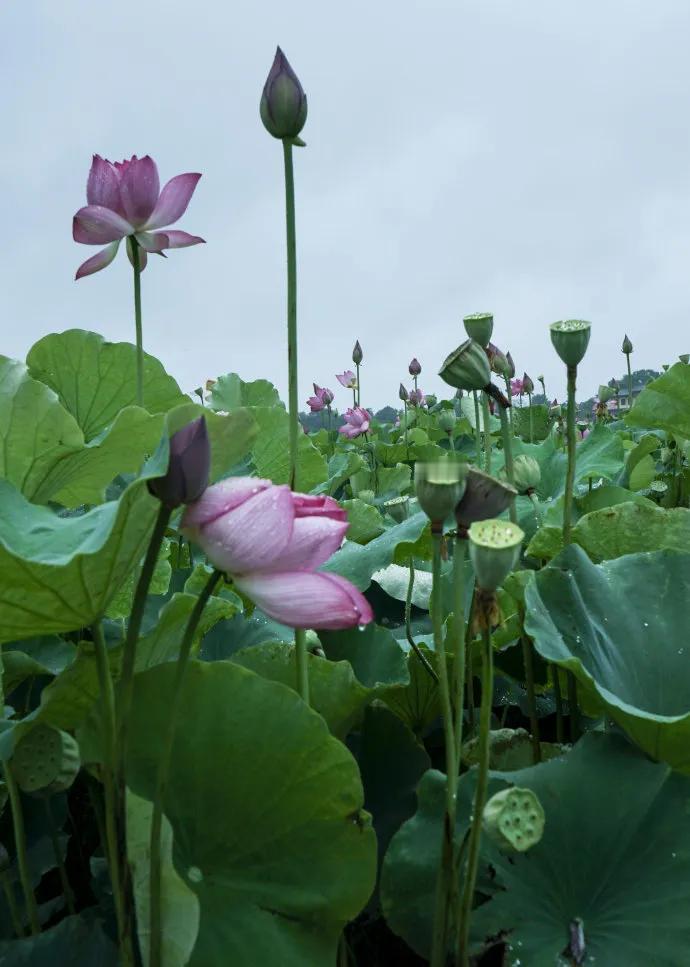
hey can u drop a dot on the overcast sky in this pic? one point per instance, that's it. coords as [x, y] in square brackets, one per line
[530, 159]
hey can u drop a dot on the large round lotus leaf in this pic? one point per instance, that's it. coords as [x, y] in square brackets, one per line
[614, 861]
[622, 628]
[266, 812]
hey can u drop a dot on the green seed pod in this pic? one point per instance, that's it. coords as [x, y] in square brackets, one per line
[606, 393]
[556, 411]
[467, 368]
[484, 497]
[440, 486]
[514, 819]
[526, 474]
[494, 551]
[447, 421]
[570, 339]
[45, 761]
[479, 327]
[431, 400]
[398, 508]
[627, 346]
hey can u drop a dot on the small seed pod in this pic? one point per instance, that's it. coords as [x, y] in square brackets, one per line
[398, 508]
[479, 326]
[440, 486]
[45, 761]
[570, 339]
[494, 551]
[526, 474]
[484, 497]
[514, 819]
[606, 393]
[447, 421]
[467, 368]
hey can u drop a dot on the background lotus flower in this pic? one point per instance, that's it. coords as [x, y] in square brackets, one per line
[357, 422]
[417, 398]
[316, 403]
[271, 541]
[414, 369]
[125, 201]
[516, 387]
[347, 379]
[322, 397]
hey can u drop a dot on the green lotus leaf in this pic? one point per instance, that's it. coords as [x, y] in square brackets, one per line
[365, 521]
[664, 404]
[376, 657]
[358, 564]
[541, 421]
[600, 455]
[230, 392]
[271, 451]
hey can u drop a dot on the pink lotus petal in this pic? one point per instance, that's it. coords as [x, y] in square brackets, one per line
[313, 541]
[143, 257]
[315, 404]
[252, 535]
[139, 188]
[317, 505]
[173, 200]
[152, 241]
[103, 185]
[96, 225]
[98, 261]
[178, 239]
[221, 498]
[307, 599]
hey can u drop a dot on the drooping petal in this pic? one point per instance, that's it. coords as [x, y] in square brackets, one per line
[103, 185]
[139, 189]
[307, 599]
[221, 498]
[178, 239]
[96, 225]
[173, 200]
[152, 241]
[98, 261]
[313, 541]
[249, 537]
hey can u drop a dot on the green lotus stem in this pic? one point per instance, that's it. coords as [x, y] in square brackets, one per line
[534, 500]
[627, 359]
[476, 428]
[293, 409]
[487, 433]
[470, 662]
[114, 833]
[20, 847]
[463, 953]
[573, 707]
[531, 419]
[302, 664]
[358, 395]
[8, 890]
[136, 265]
[59, 862]
[509, 396]
[407, 445]
[528, 660]
[459, 557]
[508, 456]
[155, 940]
[570, 476]
[559, 704]
[408, 628]
[446, 883]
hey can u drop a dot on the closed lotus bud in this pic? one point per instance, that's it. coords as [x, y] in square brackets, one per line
[498, 362]
[403, 394]
[467, 368]
[494, 551]
[627, 346]
[570, 339]
[514, 819]
[327, 396]
[484, 497]
[447, 421]
[685, 358]
[527, 384]
[398, 508]
[188, 468]
[439, 487]
[357, 354]
[511, 366]
[479, 327]
[414, 368]
[283, 101]
[605, 394]
[526, 474]
[45, 761]
[431, 400]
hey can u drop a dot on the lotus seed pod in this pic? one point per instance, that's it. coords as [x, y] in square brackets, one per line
[439, 487]
[627, 346]
[45, 761]
[398, 508]
[514, 819]
[479, 327]
[447, 421]
[570, 339]
[484, 497]
[467, 368]
[357, 354]
[526, 474]
[494, 551]
[606, 393]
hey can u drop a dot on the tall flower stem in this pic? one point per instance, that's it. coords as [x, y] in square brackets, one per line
[479, 799]
[20, 847]
[155, 949]
[477, 430]
[358, 395]
[408, 628]
[528, 661]
[570, 475]
[407, 446]
[459, 557]
[487, 433]
[509, 394]
[531, 419]
[136, 265]
[627, 359]
[446, 883]
[507, 437]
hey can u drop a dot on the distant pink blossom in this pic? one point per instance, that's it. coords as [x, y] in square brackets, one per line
[417, 398]
[516, 387]
[125, 201]
[322, 398]
[347, 379]
[357, 421]
[270, 541]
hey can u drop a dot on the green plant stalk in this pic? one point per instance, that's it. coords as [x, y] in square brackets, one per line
[573, 707]
[359, 391]
[64, 879]
[570, 475]
[446, 883]
[487, 433]
[293, 409]
[528, 660]
[477, 431]
[470, 662]
[627, 359]
[508, 456]
[20, 847]
[463, 954]
[531, 419]
[407, 445]
[136, 265]
[509, 395]
[459, 557]
[12, 905]
[115, 836]
[155, 941]
[408, 628]
[302, 664]
[559, 704]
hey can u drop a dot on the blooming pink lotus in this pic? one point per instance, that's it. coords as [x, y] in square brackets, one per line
[271, 540]
[417, 398]
[357, 421]
[516, 387]
[322, 397]
[125, 201]
[347, 379]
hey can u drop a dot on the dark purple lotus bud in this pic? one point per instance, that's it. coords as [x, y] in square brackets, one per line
[189, 466]
[527, 384]
[357, 354]
[414, 369]
[511, 366]
[283, 102]
[403, 394]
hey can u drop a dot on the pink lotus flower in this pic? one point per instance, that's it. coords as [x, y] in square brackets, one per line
[417, 398]
[322, 397]
[271, 541]
[125, 200]
[347, 379]
[516, 387]
[357, 421]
